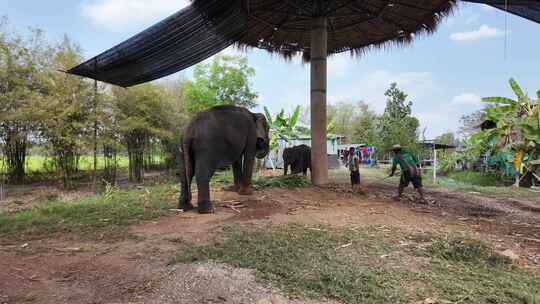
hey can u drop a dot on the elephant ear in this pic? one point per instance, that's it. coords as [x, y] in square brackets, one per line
[258, 116]
[261, 124]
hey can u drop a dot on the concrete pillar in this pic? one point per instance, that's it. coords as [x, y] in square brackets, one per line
[319, 52]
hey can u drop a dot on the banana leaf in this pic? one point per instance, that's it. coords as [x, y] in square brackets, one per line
[522, 97]
[500, 100]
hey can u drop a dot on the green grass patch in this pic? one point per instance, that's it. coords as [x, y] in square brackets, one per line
[498, 189]
[222, 178]
[456, 181]
[374, 265]
[45, 164]
[477, 178]
[95, 217]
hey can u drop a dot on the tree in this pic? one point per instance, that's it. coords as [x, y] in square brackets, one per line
[224, 81]
[343, 114]
[471, 122]
[364, 126]
[356, 122]
[21, 86]
[446, 139]
[143, 117]
[397, 125]
[65, 111]
[179, 118]
[282, 127]
[516, 125]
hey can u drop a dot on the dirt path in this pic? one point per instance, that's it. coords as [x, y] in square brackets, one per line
[136, 271]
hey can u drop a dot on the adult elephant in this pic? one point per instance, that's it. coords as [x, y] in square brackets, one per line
[299, 158]
[219, 136]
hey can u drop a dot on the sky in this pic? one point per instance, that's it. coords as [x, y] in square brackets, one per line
[444, 74]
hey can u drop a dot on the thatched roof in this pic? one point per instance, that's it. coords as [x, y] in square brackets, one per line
[208, 26]
[284, 27]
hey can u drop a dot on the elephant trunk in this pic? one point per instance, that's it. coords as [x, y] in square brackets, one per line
[263, 148]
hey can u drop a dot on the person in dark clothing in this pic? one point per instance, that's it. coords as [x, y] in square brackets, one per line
[346, 156]
[354, 168]
[410, 171]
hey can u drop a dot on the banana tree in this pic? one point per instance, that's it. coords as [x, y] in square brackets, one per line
[517, 125]
[282, 127]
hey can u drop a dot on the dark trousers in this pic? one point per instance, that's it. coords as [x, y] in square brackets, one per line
[355, 178]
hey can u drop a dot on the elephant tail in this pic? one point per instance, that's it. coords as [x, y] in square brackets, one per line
[188, 164]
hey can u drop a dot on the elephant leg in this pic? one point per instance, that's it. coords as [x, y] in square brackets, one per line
[237, 172]
[185, 196]
[285, 167]
[203, 173]
[247, 174]
[184, 202]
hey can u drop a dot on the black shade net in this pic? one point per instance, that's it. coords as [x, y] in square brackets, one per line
[529, 9]
[176, 43]
[198, 32]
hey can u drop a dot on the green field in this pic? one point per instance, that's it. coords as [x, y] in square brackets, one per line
[44, 164]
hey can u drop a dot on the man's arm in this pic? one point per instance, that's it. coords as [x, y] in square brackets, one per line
[415, 159]
[394, 164]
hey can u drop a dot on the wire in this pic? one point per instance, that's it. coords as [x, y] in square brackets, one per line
[505, 29]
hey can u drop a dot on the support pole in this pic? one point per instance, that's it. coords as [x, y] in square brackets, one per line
[319, 49]
[94, 171]
[434, 164]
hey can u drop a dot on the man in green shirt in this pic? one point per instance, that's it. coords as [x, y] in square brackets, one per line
[410, 172]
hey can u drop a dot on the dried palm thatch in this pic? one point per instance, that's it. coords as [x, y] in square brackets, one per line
[354, 26]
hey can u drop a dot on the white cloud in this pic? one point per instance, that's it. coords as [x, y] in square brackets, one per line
[234, 51]
[483, 32]
[472, 19]
[465, 15]
[339, 65]
[121, 15]
[466, 99]
[436, 122]
[486, 7]
[371, 87]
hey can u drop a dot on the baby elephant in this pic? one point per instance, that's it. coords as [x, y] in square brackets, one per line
[299, 158]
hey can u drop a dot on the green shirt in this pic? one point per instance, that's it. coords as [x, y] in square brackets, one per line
[405, 159]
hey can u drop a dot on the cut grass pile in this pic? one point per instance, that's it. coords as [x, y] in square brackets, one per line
[287, 181]
[95, 217]
[371, 265]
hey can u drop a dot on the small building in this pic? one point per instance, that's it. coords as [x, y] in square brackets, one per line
[275, 159]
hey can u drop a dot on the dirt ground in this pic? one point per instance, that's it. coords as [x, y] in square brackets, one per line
[137, 271]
